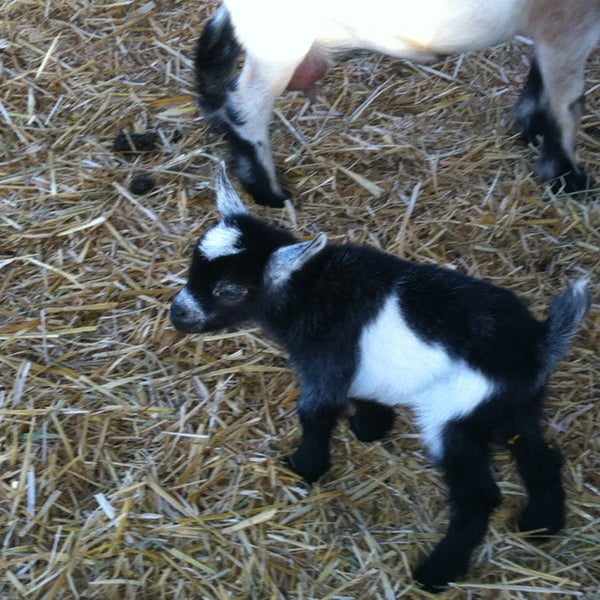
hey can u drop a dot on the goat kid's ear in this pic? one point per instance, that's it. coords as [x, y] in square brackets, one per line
[288, 259]
[228, 201]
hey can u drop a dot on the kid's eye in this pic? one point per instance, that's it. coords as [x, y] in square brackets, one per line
[229, 293]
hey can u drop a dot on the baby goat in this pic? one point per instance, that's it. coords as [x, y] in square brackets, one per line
[290, 45]
[467, 357]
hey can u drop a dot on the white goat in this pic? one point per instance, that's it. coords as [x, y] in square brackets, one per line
[290, 44]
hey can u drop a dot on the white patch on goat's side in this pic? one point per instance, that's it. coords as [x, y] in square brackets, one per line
[221, 240]
[396, 366]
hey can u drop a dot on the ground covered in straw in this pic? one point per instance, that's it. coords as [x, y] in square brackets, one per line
[139, 463]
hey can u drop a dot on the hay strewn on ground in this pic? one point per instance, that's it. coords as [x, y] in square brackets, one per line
[138, 463]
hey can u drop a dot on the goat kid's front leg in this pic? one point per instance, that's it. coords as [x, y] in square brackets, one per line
[311, 458]
[473, 496]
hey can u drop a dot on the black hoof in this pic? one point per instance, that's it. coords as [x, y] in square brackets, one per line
[573, 182]
[309, 471]
[540, 522]
[433, 578]
[258, 184]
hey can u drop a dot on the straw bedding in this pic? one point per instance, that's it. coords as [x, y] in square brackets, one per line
[139, 463]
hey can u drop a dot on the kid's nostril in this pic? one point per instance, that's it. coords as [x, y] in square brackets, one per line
[178, 312]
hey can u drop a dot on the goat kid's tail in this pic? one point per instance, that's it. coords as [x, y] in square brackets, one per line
[566, 313]
[217, 53]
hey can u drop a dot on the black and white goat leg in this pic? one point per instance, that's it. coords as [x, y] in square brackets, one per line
[217, 54]
[241, 108]
[538, 121]
[552, 101]
[473, 495]
[250, 105]
[563, 84]
[530, 111]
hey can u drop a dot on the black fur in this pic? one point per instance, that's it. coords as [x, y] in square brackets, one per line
[555, 166]
[318, 316]
[217, 52]
[473, 497]
[251, 173]
[530, 113]
[371, 421]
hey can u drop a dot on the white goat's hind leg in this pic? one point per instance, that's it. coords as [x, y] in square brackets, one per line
[249, 109]
[529, 113]
[562, 65]
[563, 86]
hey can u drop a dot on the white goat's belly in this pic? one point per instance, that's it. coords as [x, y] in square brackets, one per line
[420, 29]
[278, 29]
[397, 367]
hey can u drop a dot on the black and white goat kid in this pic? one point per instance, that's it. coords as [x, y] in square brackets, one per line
[359, 325]
[290, 44]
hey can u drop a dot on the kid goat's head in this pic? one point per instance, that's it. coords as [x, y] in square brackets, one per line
[236, 265]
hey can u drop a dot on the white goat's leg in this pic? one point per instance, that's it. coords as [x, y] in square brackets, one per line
[249, 108]
[561, 57]
[563, 86]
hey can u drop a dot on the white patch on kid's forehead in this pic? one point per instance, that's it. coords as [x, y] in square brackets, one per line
[221, 240]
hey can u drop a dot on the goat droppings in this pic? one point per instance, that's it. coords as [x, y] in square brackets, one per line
[135, 142]
[142, 184]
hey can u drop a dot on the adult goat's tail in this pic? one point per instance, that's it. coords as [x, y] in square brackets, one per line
[566, 313]
[217, 53]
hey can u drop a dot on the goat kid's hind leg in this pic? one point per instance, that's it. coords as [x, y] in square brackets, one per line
[371, 421]
[473, 495]
[539, 466]
[249, 108]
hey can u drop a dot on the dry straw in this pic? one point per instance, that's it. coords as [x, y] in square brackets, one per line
[138, 463]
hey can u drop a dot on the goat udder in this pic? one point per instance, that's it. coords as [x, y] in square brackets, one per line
[308, 72]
